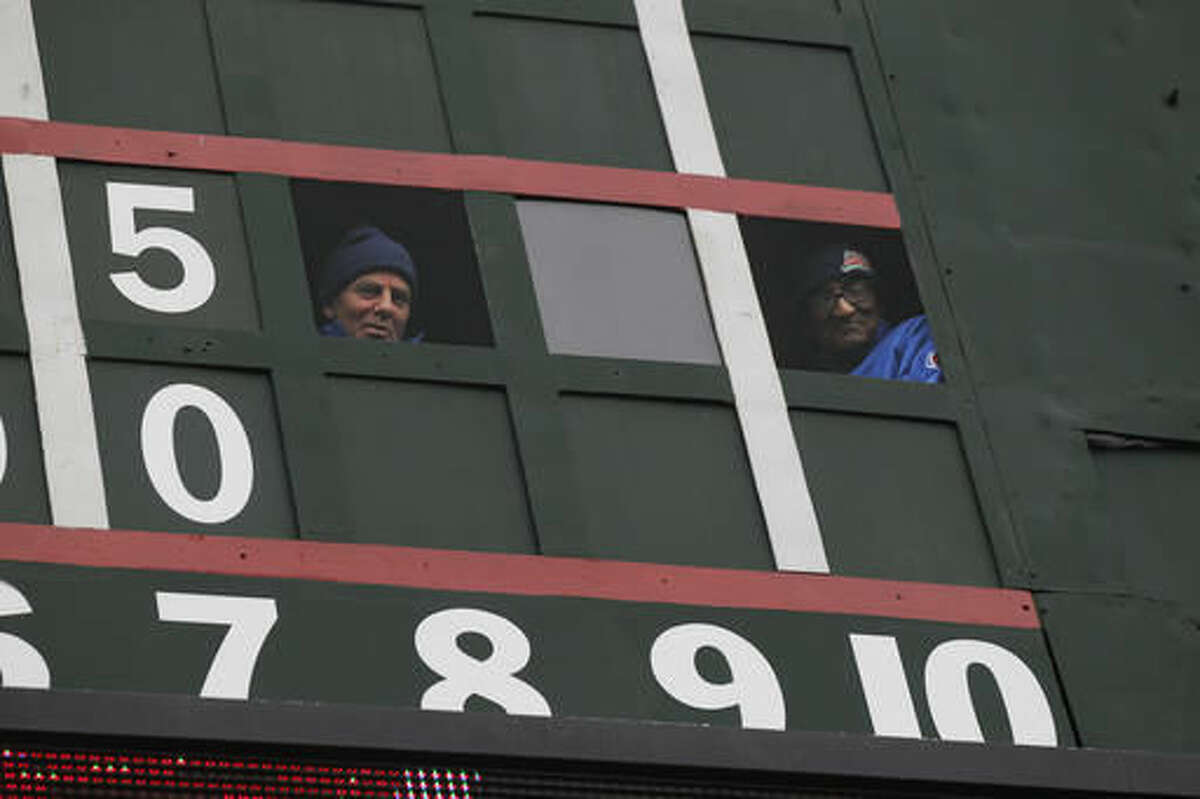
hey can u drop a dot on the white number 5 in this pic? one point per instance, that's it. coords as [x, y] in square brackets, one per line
[250, 620]
[199, 277]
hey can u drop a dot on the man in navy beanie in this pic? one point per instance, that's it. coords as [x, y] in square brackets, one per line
[366, 287]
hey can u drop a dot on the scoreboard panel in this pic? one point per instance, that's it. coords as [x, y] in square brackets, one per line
[610, 469]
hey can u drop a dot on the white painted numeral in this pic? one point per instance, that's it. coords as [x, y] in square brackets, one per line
[950, 697]
[890, 702]
[199, 277]
[21, 666]
[753, 689]
[493, 678]
[884, 685]
[233, 447]
[3, 451]
[250, 620]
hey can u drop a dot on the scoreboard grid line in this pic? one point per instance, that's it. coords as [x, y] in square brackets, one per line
[519, 575]
[132, 146]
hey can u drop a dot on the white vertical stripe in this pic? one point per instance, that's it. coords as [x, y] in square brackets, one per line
[774, 458]
[56, 346]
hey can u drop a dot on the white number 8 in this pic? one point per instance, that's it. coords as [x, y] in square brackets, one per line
[199, 277]
[436, 640]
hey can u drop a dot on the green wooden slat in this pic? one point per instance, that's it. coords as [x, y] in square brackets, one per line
[295, 71]
[641, 378]
[300, 395]
[894, 498]
[824, 391]
[599, 12]
[605, 113]
[807, 21]
[129, 63]
[532, 397]
[932, 274]
[1128, 668]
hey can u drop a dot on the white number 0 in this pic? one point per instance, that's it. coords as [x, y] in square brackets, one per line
[199, 277]
[250, 620]
[233, 449]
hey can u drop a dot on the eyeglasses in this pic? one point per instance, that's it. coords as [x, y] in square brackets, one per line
[858, 292]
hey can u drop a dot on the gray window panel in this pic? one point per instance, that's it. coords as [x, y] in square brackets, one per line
[788, 112]
[665, 482]
[431, 465]
[22, 484]
[617, 282]
[121, 393]
[894, 498]
[568, 92]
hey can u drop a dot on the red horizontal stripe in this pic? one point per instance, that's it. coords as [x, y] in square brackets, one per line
[524, 575]
[445, 171]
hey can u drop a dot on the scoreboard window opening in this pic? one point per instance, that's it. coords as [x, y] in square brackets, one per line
[840, 298]
[391, 263]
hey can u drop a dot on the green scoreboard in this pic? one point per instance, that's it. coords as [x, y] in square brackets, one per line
[527, 398]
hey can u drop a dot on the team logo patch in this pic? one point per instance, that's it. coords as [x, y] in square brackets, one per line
[931, 360]
[854, 261]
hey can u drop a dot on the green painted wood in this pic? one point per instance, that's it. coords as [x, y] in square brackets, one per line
[120, 392]
[428, 465]
[12, 320]
[934, 275]
[129, 63]
[216, 225]
[1128, 668]
[22, 484]
[295, 70]
[605, 112]
[665, 482]
[352, 644]
[599, 12]
[299, 390]
[537, 420]
[814, 22]
[804, 122]
[1147, 498]
[894, 498]
[457, 53]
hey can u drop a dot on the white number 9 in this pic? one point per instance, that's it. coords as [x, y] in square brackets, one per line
[753, 689]
[199, 277]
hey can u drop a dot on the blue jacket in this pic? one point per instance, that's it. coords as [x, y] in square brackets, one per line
[906, 352]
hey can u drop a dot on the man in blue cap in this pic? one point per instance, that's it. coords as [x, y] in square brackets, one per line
[845, 328]
[366, 287]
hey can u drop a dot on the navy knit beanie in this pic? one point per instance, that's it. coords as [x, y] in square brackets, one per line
[363, 250]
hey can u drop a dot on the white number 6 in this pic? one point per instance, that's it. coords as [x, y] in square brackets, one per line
[250, 620]
[199, 277]
[21, 665]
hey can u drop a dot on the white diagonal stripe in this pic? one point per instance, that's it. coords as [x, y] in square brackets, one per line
[758, 395]
[57, 353]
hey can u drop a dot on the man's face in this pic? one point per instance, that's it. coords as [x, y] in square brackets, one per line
[844, 315]
[376, 305]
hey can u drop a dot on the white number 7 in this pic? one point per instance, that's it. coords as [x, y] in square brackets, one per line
[250, 620]
[199, 277]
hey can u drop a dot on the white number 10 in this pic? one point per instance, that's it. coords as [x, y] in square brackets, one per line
[199, 277]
